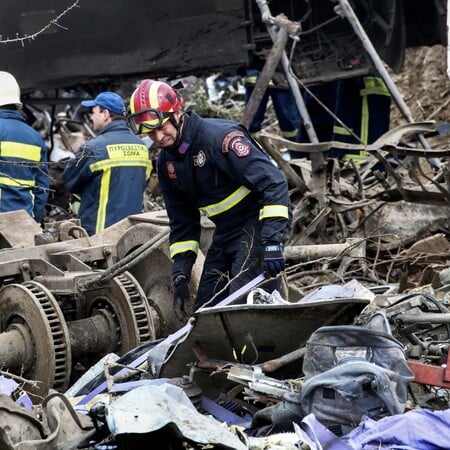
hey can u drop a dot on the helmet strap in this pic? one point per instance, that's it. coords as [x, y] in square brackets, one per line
[178, 125]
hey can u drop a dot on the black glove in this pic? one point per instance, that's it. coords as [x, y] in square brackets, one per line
[181, 297]
[273, 259]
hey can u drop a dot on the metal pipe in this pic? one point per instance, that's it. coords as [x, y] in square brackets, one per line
[435, 318]
[14, 346]
[318, 162]
[265, 14]
[307, 252]
[275, 364]
[264, 78]
[95, 334]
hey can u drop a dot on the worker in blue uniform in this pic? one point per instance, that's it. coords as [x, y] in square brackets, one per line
[283, 102]
[361, 103]
[23, 155]
[111, 171]
[213, 167]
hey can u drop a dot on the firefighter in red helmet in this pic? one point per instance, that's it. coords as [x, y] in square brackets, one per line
[213, 167]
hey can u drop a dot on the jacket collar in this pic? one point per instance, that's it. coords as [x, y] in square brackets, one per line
[11, 114]
[114, 125]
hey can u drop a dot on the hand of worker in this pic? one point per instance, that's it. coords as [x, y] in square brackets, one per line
[181, 297]
[273, 259]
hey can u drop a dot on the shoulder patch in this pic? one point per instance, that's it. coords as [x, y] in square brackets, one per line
[228, 138]
[240, 146]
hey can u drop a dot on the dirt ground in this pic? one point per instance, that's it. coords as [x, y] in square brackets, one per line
[424, 85]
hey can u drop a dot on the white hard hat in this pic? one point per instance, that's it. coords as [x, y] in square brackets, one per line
[9, 90]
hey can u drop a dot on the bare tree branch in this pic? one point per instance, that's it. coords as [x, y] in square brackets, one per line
[33, 36]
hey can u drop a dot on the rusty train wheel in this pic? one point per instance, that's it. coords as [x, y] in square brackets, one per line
[33, 308]
[126, 303]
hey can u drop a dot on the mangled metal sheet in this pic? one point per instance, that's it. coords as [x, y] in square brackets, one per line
[151, 408]
[252, 334]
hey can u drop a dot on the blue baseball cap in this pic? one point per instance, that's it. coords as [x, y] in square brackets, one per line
[108, 100]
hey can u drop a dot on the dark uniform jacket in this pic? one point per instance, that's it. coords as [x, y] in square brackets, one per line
[110, 173]
[218, 170]
[23, 166]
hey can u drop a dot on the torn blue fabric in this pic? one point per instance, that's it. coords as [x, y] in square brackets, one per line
[415, 430]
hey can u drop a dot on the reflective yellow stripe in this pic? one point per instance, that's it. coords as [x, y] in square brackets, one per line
[252, 80]
[289, 134]
[274, 211]
[17, 182]
[184, 246]
[120, 162]
[357, 157]
[374, 91]
[148, 170]
[103, 200]
[19, 150]
[364, 120]
[227, 203]
[374, 85]
[341, 131]
[106, 165]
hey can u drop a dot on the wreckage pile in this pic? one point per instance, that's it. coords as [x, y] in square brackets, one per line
[352, 352]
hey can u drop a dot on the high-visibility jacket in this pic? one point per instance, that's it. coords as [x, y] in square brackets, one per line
[23, 166]
[219, 171]
[110, 173]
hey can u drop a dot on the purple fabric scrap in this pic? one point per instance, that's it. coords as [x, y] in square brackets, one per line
[419, 429]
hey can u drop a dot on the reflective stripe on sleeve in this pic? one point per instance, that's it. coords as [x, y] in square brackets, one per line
[17, 182]
[21, 151]
[274, 211]
[227, 203]
[184, 246]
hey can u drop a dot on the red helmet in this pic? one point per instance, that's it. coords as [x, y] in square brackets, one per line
[151, 104]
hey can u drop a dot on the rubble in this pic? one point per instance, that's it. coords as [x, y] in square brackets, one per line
[369, 240]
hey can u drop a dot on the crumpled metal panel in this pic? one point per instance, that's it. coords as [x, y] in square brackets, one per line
[150, 408]
[253, 334]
